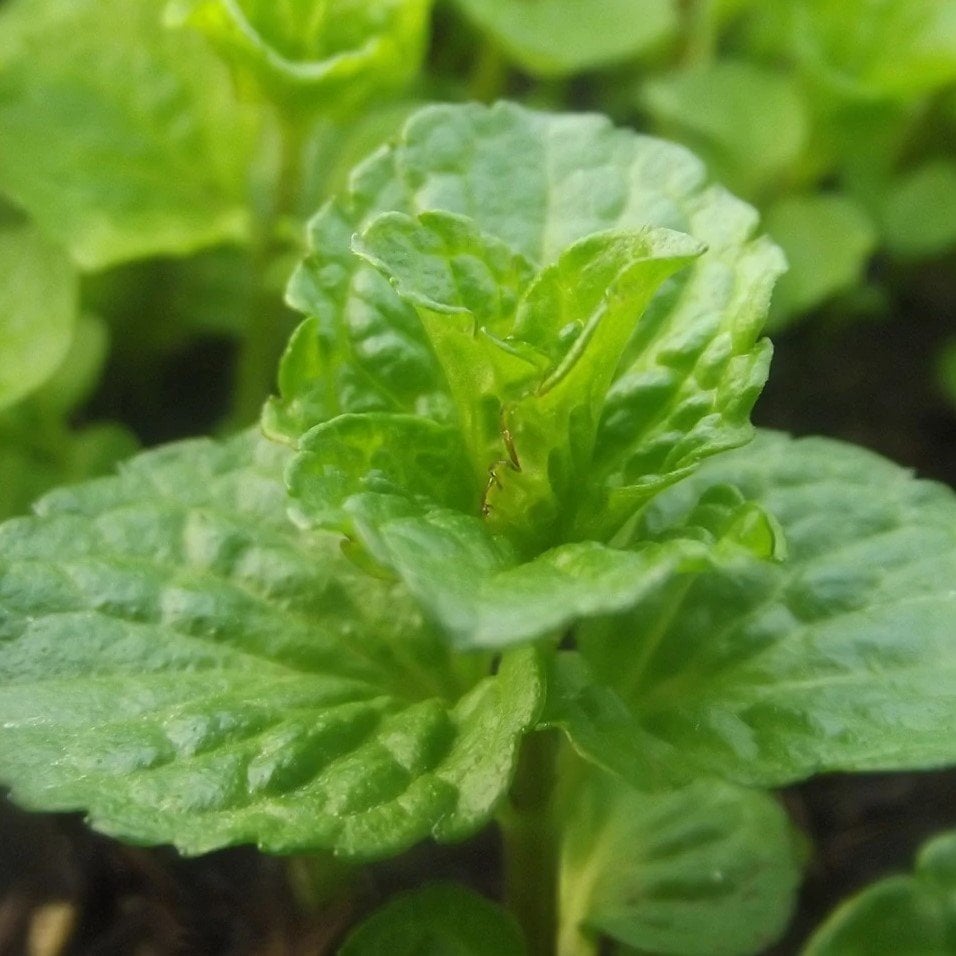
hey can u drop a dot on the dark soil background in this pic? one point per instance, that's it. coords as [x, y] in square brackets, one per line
[65, 891]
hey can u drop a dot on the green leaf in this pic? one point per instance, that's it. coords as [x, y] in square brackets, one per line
[870, 49]
[899, 916]
[838, 659]
[379, 454]
[528, 363]
[438, 920]
[38, 306]
[38, 447]
[827, 240]
[36, 455]
[575, 206]
[380, 479]
[316, 56]
[538, 183]
[79, 372]
[558, 37]
[119, 149]
[917, 211]
[748, 122]
[711, 869]
[184, 664]
[604, 730]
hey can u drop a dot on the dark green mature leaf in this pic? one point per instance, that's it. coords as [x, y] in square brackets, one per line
[709, 870]
[183, 663]
[119, 149]
[840, 658]
[38, 309]
[320, 56]
[530, 358]
[899, 916]
[438, 920]
[557, 37]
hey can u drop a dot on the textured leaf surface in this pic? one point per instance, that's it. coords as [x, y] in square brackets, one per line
[38, 305]
[901, 915]
[711, 869]
[605, 731]
[439, 920]
[183, 663]
[318, 56]
[497, 300]
[557, 37]
[539, 183]
[839, 658]
[123, 149]
[398, 486]
[530, 357]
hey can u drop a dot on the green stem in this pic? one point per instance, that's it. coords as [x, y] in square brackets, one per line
[701, 33]
[489, 77]
[530, 842]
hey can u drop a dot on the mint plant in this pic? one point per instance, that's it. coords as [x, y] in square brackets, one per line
[506, 552]
[913, 912]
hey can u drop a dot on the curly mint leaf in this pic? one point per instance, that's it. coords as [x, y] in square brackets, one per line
[558, 37]
[565, 450]
[316, 56]
[528, 360]
[119, 150]
[38, 310]
[437, 920]
[901, 914]
[380, 454]
[839, 658]
[709, 869]
[465, 287]
[474, 584]
[181, 662]
[538, 183]
[582, 311]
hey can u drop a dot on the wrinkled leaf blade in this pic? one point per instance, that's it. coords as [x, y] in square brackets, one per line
[709, 870]
[185, 665]
[839, 658]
